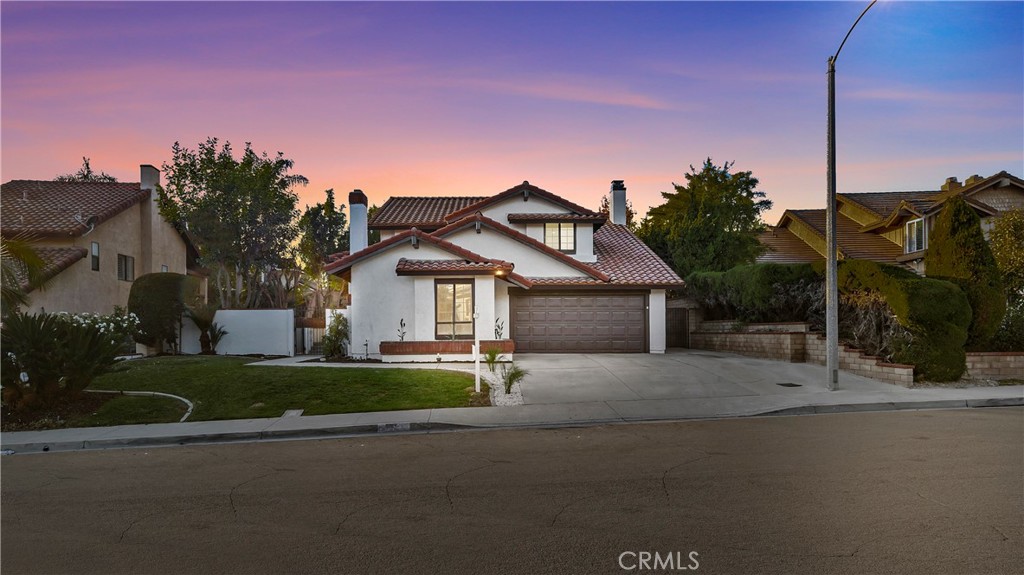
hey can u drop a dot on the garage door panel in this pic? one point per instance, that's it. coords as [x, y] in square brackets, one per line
[579, 322]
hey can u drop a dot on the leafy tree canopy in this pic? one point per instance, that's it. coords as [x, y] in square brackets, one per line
[323, 232]
[85, 174]
[242, 211]
[958, 252]
[710, 223]
[1007, 243]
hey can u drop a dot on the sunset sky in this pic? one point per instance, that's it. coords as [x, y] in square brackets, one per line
[473, 98]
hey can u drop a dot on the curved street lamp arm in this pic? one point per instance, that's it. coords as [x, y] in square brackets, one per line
[833, 58]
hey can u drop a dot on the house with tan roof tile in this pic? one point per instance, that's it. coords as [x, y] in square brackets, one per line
[887, 227]
[94, 238]
[523, 270]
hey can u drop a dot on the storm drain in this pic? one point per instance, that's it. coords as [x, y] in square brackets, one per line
[789, 384]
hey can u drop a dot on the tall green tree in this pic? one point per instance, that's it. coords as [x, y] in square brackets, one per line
[323, 233]
[85, 174]
[710, 223]
[21, 265]
[605, 209]
[1007, 242]
[958, 252]
[242, 211]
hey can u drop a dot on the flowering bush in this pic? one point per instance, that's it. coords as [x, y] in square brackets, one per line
[47, 357]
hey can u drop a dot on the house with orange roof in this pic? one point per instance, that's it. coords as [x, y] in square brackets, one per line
[523, 270]
[887, 227]
[94, 238]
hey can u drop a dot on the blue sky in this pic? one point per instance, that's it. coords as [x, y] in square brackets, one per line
[473, 98]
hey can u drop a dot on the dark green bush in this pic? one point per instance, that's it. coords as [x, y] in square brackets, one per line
[335, 340]
[755, 293]
[47, 357]
[159, 300]
[958, 252]
[935, 312]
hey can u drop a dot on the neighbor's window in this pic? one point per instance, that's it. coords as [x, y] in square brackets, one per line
[454, 301]
[561, 236]
[917, 236]
[95, 252]
[125, 267]
[163, 268]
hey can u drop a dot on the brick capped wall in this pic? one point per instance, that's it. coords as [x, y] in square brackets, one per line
[795, 346]
[446, 347]
[996, 365]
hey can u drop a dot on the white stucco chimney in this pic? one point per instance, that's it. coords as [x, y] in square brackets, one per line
[357, 234]
[617, 203]
[149, 178]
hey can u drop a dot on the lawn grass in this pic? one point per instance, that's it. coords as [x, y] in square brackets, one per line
[226, 388]
[128, 409]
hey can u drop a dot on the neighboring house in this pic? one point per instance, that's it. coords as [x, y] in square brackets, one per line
[887, 227]
[94, 237]
[541, 273]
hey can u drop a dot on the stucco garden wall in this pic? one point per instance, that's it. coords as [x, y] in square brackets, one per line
[250, 331]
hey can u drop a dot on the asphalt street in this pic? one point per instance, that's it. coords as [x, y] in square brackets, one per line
[897, 492]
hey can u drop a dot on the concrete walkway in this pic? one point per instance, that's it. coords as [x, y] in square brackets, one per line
[564, 390]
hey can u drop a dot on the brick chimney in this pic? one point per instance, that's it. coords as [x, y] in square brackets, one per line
[951, 184]
[972, 180]
[617, 203]
[357, 232]
[151, 222]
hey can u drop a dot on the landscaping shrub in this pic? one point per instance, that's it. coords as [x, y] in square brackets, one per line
[47, 357]
[936, 313]
[756, 292]
[958, 252]
[202, 315]
[492, 356]
[511, 375]
[335, 340]
[159, 300]
[1010, 335]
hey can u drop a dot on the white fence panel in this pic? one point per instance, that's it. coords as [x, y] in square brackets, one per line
[250, 331]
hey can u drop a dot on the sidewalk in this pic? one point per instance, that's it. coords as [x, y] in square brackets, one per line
[753, 400]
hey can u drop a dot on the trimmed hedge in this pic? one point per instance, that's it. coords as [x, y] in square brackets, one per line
[159, 299]
[958, 252]
[936, 312]
[755, 292]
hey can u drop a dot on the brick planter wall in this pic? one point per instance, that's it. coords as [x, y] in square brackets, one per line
[995, 365]
[795, 346]
[447, 347]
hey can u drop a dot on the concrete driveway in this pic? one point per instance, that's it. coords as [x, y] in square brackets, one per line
[678, 374]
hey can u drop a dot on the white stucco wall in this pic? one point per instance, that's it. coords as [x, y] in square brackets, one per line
[515, 205]
[528, 261]
[250, 331]
[656, 320]
[501, 308]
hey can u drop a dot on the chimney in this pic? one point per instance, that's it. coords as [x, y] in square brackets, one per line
[972, 180]
[152, 222]
[951, 184]
[357, 234]
[617, 203]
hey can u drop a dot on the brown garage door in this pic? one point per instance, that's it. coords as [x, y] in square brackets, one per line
[579, 322]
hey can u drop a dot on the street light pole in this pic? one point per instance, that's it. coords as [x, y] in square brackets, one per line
[831, 263]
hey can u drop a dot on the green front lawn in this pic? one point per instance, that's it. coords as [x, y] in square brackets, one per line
[225, 388]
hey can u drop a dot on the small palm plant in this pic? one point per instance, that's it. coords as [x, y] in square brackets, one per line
[511, 375]
[217, 332]
[492, 356]
[202, 315]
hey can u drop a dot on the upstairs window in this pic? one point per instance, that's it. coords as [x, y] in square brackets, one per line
[561, 236]
[94, 252]
[125, 268]
[454, 309]
[916, 236]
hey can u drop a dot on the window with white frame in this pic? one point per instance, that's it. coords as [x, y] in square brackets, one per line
[125, 267]
[561, 236]
[916, 234]
[454, 309]
[94, 252]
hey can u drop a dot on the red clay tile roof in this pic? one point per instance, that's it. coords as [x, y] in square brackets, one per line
[430, 267]
[47, 208]
[540, 218]
[342, 265]
[852, 242]
[628, 261]
[55, 260]
[785, 248]
[426, 213]
[523, 239]
[524, 189]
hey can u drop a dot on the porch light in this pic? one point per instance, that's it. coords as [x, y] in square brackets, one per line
[499, 273]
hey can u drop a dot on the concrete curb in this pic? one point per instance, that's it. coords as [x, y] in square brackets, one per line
[267, 433]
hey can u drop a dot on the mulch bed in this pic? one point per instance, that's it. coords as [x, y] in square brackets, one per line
[57, 417]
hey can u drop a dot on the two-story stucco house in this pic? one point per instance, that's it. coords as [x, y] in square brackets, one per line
[887, 227]
[94, 237]
[523, 269]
